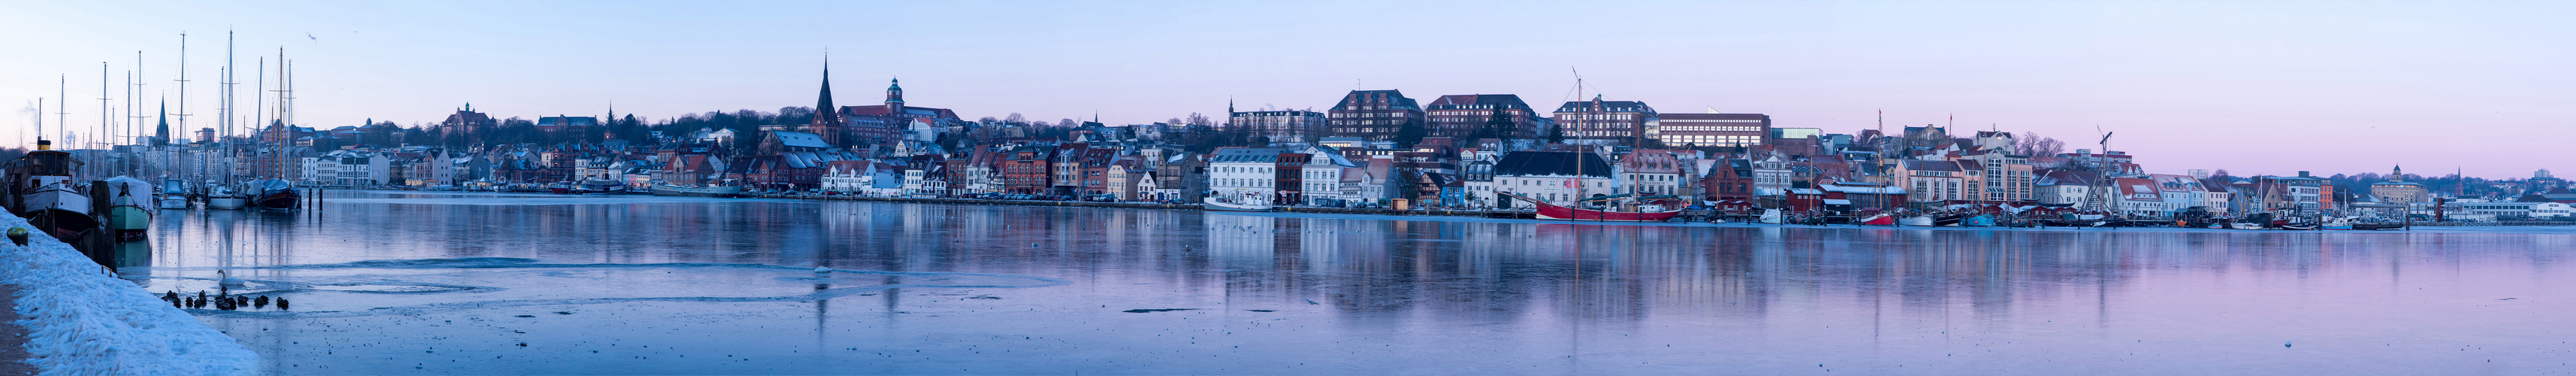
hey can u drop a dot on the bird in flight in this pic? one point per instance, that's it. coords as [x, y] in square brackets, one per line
[310, 36]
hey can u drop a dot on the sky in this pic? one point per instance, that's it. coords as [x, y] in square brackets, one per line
[2251, 87]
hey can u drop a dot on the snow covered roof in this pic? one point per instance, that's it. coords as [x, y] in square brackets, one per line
[801, 140]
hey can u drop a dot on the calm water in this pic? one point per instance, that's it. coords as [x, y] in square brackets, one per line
[388, 283]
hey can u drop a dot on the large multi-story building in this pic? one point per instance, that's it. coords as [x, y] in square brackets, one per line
[1600, 122]
[2398, 190]
[1278, 126]
[1679, 130]
[1463, 116]
[1245, 175]
[1375, 115]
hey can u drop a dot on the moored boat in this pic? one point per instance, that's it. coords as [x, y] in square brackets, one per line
[174, 194]
[1773, 217]
[1876, 218]
[275, 194]
[1637, 209]
[129, 207]
[1980, 220]
[226, 197]
[600, 187]
[1213, 204]
[46, 194]
[706, 191]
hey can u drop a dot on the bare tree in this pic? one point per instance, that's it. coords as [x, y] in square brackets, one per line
[1198, 120]
[1015, 118]
[2032, 144]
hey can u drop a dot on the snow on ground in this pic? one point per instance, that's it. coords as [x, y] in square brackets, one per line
[82, 321]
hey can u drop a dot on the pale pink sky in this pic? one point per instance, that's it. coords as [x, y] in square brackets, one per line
[2270, 87]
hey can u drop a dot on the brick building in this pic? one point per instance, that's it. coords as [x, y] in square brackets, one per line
[1375, 115]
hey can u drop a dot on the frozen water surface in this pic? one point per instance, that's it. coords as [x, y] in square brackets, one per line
[406, 283]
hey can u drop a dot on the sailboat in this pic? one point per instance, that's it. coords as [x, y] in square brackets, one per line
[226, 197]
[174, 194]
[1620, 208]
[275, 194]
[48, 197]
[129, 207]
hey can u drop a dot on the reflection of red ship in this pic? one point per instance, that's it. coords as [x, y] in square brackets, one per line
[1631, 209]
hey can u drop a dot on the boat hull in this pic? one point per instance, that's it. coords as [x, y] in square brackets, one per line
[1211, 204]
[673, 190]
[1878, 220]
[1547, 211]
[227, 202]
[1914, 221]
[174, 202]
[284, 201]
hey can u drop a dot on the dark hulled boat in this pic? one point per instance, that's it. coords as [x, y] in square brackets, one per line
[275, 194]
[43, 191]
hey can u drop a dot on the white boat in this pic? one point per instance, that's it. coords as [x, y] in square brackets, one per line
[227, 198]
[708, 191]
[1214, 204]
[1919, 220]
[174, 194]
[2245, 226]
[1772, 216]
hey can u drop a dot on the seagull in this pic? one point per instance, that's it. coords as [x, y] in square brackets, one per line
[310, 36]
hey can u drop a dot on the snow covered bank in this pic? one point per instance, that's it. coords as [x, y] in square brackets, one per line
[82, 321]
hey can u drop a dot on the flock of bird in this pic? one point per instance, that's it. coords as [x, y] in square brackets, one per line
[223, 301]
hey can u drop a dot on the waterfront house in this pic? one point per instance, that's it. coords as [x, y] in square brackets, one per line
[1557, 177]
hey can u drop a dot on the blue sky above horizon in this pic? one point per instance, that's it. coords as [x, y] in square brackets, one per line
[2268, 87]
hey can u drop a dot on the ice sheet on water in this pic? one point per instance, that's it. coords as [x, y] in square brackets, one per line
[536, 201]
[365, 288]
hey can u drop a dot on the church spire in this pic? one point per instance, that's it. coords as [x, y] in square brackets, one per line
[164, 131]
[824, 112]
[2397, 173]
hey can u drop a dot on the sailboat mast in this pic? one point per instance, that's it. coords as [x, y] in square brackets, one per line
[105, 143]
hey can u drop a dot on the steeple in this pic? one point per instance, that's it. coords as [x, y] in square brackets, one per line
[2397, 173]
[164, 130]
[824, 112]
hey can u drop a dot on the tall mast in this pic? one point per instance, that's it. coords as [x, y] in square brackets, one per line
[134, 83]
[183, 81]
[62, 95]
[104, 141]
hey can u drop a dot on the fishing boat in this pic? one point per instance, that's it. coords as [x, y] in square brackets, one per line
[559, 188]
[600, 187]
[2337, 223]
[226, 197]
[1876, 218]
[1948, 219]
[1627, 209]
[2245, 226]
[46, 194]
[1980, 220]
[705, 191]
[1214, 204]
[276, 194]
[129, 207]
[174, 194]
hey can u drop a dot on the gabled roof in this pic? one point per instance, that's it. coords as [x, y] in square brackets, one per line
[1246, 155]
